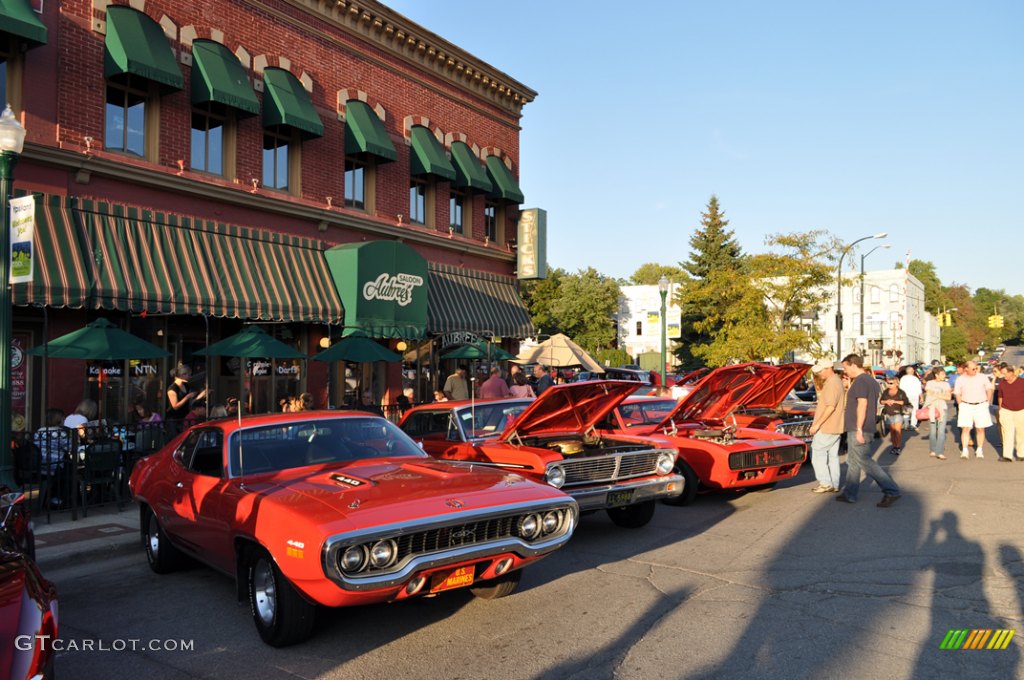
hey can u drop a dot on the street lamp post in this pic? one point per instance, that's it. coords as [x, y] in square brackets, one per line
[12, 141]
[663, 290]
[862, 258]
[839, 292]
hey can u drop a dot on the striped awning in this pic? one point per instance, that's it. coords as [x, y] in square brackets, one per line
[128, 259]
[464, 300]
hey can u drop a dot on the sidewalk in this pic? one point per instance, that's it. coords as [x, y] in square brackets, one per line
[103, 534]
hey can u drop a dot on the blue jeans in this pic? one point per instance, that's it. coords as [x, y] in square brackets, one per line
[937, 434]
[858, 458]
[825, 458]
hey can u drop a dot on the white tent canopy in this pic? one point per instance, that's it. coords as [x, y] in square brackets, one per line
[558, 351]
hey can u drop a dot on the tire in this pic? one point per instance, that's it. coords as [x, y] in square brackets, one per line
[282, 616]
[689, 487]
[163, 557]
[498, 587]
[632, 516]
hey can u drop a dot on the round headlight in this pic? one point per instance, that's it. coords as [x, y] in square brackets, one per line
[383, 553]
[550, 522]
[353, 559]
[666, 460]
[556, 476]
[529, 527]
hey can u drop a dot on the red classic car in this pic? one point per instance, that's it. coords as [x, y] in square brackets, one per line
[337, 509]
[28, 602]
[552, 439]
[774, 406]
[714, 453]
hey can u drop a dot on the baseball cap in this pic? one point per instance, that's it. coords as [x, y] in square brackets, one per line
[822, 364]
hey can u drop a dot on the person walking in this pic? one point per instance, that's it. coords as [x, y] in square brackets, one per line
[1011, 413]
[827, 427]
[937, 399]
[894, 403]
[859, 421]
[494, 387]
[973, 392]
[456, 388]
[910, 384]
[521, 389]
[543, 377]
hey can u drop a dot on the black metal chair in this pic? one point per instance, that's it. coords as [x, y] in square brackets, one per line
[101, 473]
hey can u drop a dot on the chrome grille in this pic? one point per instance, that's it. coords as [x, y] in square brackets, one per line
[610, 468]
[781, 455]
[801, 429]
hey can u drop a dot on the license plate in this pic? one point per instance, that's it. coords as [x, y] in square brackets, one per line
[617, 498]
[461, 577]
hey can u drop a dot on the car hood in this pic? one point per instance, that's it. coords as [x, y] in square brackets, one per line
[383, 491]
[777, 385]
[720, 392]
[572, 408]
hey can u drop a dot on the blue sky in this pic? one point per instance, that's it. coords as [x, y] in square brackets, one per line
[905, 117]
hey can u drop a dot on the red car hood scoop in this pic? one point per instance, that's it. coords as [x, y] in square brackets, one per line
[566, 409]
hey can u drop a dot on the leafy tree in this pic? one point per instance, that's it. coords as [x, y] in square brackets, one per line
[954, 344]
[934, 295]
[613, 357]
[650, 273]
[585, 307]
[539, 296]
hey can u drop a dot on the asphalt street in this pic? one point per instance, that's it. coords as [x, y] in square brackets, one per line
[776, 584]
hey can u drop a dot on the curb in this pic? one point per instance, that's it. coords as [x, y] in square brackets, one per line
[50, 558]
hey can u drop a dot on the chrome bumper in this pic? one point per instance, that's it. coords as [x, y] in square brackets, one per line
[596, 497]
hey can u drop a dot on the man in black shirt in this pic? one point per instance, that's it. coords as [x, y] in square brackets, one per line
[859, 422]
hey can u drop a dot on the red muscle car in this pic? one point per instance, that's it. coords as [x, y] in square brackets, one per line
[774, 407]
[714, 453]
[338, 508]
[552, 439]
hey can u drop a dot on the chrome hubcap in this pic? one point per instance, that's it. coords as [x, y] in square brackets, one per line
[154, 537]
[264, 590]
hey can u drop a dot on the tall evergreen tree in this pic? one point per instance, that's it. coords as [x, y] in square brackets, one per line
[713, 247]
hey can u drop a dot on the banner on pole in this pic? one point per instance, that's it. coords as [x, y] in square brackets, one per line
[23, 223]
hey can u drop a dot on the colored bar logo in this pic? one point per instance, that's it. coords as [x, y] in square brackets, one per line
[979, 638]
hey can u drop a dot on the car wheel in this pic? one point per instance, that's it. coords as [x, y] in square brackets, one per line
[689, 487]
[163, 557]
[498, 587]
[282, 616]
[632, 516]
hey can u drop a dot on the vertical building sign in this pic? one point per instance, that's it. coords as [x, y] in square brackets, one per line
[23, 221]
[532, 244]
[19, 382]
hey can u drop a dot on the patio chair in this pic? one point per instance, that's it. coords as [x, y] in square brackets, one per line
[101, 474]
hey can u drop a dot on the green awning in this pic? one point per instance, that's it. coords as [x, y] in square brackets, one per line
[286, 102]
[136, 45]
[469, 174]
[61, 272]
[505, 185]
[365, 133]
[218, 76]
[428, 156]
[176, 265]
[383, 287]
[18, 19]
[479, 302]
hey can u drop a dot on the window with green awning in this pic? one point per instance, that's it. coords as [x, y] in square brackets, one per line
[136, 45]
[218, 77]
[428, 156]
[286, 102]
[505, 185]
[365, 133]
[480, 302]
[469, 173]
[18, 19]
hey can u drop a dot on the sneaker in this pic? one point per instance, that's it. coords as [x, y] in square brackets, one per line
[823, 488]
[941, 457]
[842, 498]
[965, 454]
[932, 454]
[1005, 460]
[887, 501]
[979, 454]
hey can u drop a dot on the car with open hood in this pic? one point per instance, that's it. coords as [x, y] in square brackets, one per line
[553, 439]
[715, 453]
[774, 406]
[335, 509]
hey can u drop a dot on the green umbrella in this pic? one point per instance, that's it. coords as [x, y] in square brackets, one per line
[358, 350]
[251, 341]
[480, 350]
[100, 340]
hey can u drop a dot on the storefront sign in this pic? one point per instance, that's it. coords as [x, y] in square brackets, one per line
[398, 288]
[19, 382]
[532, 244]
[106, 369]
[23, 221]
[457, 339]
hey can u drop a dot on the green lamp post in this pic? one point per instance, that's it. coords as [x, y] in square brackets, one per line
[663, 290]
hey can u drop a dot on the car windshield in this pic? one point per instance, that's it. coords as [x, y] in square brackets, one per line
[649, 412]
[489, 419]
[271, 448]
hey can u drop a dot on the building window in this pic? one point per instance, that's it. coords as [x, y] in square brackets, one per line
[876, 295]
[208, 139]
[355, 184]
[417, 201]
[491, 222]
[276, 154]
[125, 128]
[639, 327]
[456, 212]
[856, 321]
[894, 293]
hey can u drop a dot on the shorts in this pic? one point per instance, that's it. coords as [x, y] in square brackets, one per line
[892, 420]
[973, 415]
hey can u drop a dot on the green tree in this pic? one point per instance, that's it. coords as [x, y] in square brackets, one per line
[954, 344]
[650, 273]
[585, 308]
[539, 296]
[712, 246]
[934, 295]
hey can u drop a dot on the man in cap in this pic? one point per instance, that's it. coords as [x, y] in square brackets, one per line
[827, 427]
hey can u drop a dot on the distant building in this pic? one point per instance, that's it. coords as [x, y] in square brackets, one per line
[639, 320]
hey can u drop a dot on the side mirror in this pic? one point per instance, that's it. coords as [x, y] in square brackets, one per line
[9, 499]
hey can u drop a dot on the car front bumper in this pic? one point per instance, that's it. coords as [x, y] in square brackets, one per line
[645, 489]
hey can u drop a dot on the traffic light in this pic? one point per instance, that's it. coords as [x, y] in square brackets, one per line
[991, 320]
[949, 318]
[999, 320]
[995, 321]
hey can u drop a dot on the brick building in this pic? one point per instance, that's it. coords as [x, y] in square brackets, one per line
[200, 166]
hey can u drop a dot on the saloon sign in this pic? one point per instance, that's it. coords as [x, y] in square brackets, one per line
[398, 288]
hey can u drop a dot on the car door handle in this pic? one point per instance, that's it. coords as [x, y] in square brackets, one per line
[180, 485]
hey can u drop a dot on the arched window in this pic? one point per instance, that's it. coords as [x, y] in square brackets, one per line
[894, 293]
[876, 295]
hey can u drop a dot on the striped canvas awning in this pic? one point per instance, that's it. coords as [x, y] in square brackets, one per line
[465, 300]
[128, 259]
